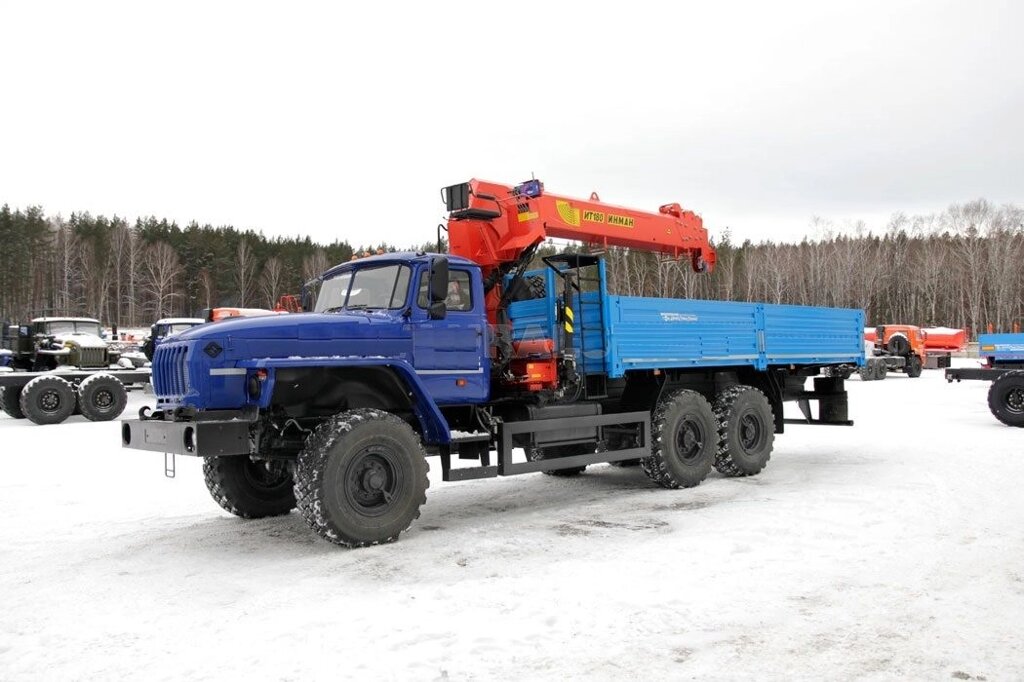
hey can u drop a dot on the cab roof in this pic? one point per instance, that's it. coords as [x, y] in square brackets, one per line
[396, 257]
[181, 320]
[65, 319]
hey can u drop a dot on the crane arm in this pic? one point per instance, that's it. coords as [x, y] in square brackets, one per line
[495, 224]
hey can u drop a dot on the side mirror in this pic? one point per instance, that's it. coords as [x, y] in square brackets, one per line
[438, 279]
[438, 285]
[308, 294]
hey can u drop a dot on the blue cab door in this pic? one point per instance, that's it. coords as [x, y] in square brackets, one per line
[451, 355]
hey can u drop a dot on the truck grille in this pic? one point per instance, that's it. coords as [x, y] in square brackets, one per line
[93, 357]
[170, 375]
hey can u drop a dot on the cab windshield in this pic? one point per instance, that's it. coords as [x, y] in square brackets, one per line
[383, 288]
[72, 326]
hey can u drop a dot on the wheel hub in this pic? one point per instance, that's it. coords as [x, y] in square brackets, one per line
[1015, 400]
[689, 439]
[372, 481]
[103, 399]
[750, 431]
[49, 401]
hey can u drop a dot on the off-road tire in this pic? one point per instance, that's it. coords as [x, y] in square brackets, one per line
[101, 397]
[1006, 398]
[10, 403]
[535, 454]
[684, 440]
[249, 489]
[47, 400]
[913, 367]
[881, 370]
[746, 431]
[867, 372]
[361, 478]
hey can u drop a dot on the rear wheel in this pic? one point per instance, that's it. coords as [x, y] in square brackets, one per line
[10, 402]
[1006, 398]
[361, 478]
[47, 400]
[746, 431]
[684, 437]
[913, 368]
[881, 369]
[535, 454]
[101, 398]
[249, 489]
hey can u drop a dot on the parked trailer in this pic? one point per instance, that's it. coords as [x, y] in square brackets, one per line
[409, 356]
[51, 397]
[1003, 364]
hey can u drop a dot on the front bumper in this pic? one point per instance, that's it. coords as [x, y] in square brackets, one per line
[192, 438]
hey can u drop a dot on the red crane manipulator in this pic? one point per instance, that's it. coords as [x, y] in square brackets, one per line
[498, 226]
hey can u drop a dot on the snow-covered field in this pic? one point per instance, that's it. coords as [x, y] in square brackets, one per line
[890, 549]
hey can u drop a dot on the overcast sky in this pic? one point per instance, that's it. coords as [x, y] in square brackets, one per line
[343, 119]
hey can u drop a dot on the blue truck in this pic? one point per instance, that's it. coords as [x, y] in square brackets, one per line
[1002, 358]
[404, 357]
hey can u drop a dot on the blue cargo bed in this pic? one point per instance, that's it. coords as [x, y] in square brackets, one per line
[633, 333]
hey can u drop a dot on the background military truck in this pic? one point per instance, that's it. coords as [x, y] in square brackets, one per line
[63, 366]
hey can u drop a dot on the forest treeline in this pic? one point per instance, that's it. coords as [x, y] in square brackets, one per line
[957, 268]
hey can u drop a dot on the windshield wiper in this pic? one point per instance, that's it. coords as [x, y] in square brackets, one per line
[354, 306]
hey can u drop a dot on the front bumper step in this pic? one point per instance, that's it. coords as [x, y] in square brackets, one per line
[194, 439]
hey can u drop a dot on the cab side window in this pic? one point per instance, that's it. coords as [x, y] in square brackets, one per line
[460, 294]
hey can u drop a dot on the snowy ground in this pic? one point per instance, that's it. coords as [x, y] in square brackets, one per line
[890, 549]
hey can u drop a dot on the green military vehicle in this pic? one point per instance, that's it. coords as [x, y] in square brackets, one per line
[58, 366]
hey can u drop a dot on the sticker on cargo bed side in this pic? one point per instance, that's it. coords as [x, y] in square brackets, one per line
[678, 317]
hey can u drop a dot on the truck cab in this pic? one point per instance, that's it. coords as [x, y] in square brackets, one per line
[397, 326]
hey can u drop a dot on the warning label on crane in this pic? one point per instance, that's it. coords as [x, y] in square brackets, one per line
[567, 213]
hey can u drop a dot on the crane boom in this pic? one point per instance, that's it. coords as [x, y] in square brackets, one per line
[495, 224]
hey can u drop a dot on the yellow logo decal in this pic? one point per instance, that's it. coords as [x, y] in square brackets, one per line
[620, 220]
[567, 213]
[593, 216]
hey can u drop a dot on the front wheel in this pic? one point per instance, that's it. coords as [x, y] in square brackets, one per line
[913, 368]
[249, 489]
[361, 478]
[1006, 398]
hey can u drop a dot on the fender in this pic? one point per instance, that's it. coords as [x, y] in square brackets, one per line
[434, 425]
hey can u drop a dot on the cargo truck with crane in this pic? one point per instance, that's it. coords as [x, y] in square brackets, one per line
[474, 356]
